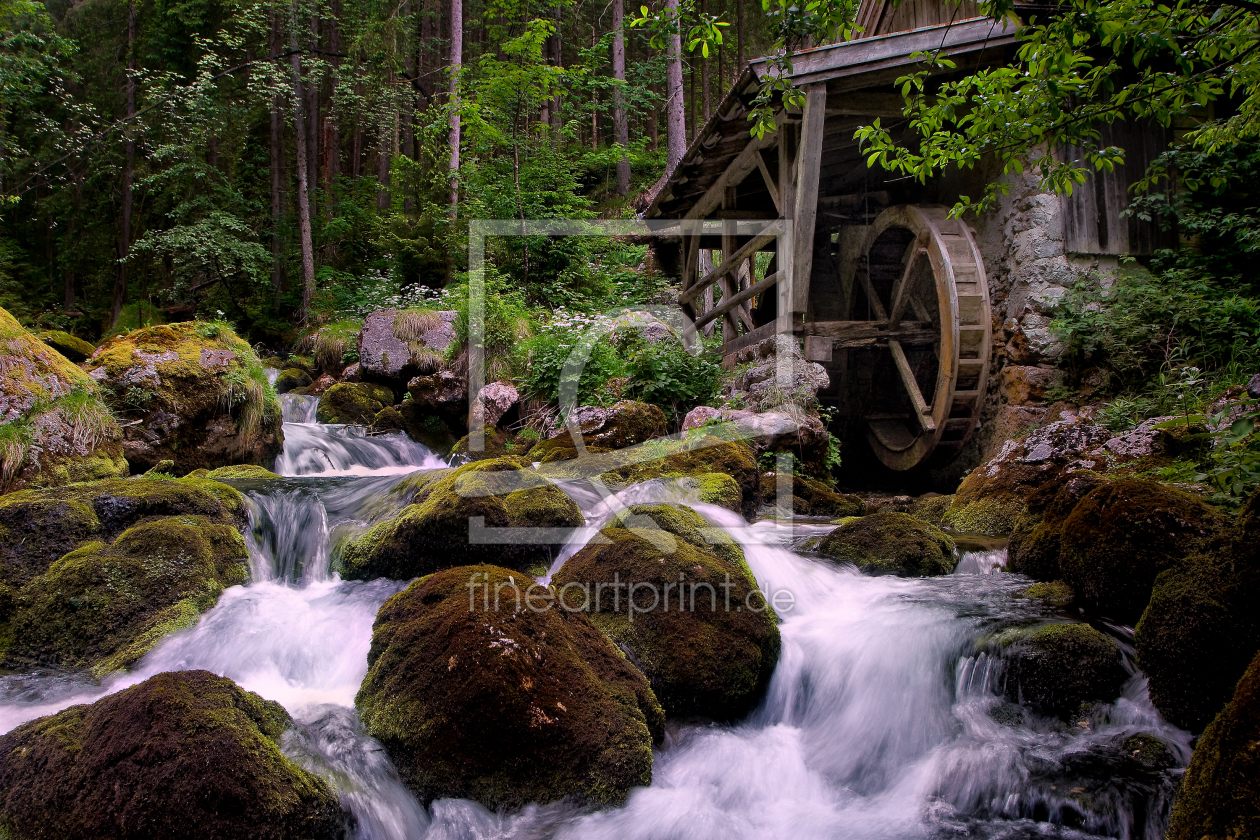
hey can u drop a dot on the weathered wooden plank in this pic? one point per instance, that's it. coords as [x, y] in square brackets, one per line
[848, 334]
[923, 413]
[901, 293]
[739, 169]
[771, 186]
[738, 298]
[868, 104]
[808, 162]
[728, 263]
[748, 340]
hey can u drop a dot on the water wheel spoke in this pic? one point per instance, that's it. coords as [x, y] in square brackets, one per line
[877, 306]
[901, 292]
[922, 411]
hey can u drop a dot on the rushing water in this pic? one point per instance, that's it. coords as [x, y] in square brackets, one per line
[881, 721]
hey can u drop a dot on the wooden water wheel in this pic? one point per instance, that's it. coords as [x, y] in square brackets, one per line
[922, 382]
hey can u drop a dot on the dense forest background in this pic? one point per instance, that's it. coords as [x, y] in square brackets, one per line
[156, 153]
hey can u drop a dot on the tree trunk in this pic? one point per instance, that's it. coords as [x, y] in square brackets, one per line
[740, 56]
[129, 145]
[303, 171]
[704, 77]
[621, 126]
[675, 117]
[312, 121]
[332, 129]
[457, 57]
[277, 167]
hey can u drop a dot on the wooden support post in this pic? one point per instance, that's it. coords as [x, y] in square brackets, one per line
[729, 282]
[729, 262]
[770, 184]
[922, 412]
[808, 167]
[734, 301]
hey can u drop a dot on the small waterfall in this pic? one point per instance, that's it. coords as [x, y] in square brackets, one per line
[981, 562]
[312, 448]
[298, 408]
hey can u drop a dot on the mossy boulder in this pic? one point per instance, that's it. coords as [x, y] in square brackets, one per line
[241, 472]
[55, 427]
[1053, 594]
[712, 656]
[389, 419]
[180, 754]
[1219, 796]
[622, 424]
[38, 526]
[1034, 547]
[891, 543]
[1122, 534]
[810, 497]
[691, 456]
[433, 532]
[427, 427]
[1056, 667]
[716, 489]
[105, 605]
[496, 443]
[1199, 632]
[291, 378]
[931, 509]
[485, 698]
[353, 402]
[71, 346]
[199, 391]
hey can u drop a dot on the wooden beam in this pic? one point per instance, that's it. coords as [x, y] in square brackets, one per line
[728, 263]
[868, 104]
[850, 334]
[747, 340]
[922, 412]
[808, 164]
[771, 186]
[901, 293]
[736, 299]
[734, 174]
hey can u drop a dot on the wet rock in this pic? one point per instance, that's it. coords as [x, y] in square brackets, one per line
[1253, 387]
[199, 392]
[389, 419]
[1148, 751]
[395, 346]
[716, 489]
[1057, 667]
[1122, 534]
[690, 458]
[1054, 594]
[1034, 548]
[54, 426]
[72, 347]
[622, 424]
[891, 543]
[493, 402]
[810, 497]
[715, 655]
[427, 428]
[434, 531]
[178, 751]
[353, 402]
[789, 429]
[495, 443]
[104, 606]
[488, 699]
[291, 378]
[443, 394]
[1219, 795]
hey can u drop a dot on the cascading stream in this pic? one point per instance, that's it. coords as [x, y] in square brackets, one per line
[882, 719]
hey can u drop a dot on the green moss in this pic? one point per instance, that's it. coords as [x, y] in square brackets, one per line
[181, 749]
[1219, 796]
[106, 605]
[495, 444]
[352, 402]
[714, 656]
[428, 429]
[388, 419]
[691, 456]
[1034, 547]
[291, 378]
[717, 489]
[1122, 534]
[240, 472]
[433, 532]
[890, 543]
[1057, 667]
[1056, 594]
[810, 497]
[474, 697]
[1148, 751]
[72, 347]
[932, 509]
[992, 517]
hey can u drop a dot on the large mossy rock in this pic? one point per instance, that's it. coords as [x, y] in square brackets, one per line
[712, 657]
[95, 574]
[1122, 534]
[1034, 547]
[54, 426]
[1202, 628]
[688, 457]
[291, 378]
[200, 393]
[1057, 667]
[891, 543]
[180, 755]
[1219, 797]
[71, 346]
[482, 697]
[622, 424]
[433, 532]
[353, 402]
[810, 497]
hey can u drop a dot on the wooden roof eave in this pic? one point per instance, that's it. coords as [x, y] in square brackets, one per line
[851, 60]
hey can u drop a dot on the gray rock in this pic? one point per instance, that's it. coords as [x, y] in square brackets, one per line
[1253, 387]
[381, 353]
[443, 393]
[494, 401]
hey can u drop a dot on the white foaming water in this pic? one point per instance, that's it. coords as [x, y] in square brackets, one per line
[981, 562]
[882, 719]
[312, 448]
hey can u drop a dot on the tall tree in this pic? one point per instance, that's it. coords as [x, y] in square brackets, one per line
[621, 125]
[277, 167]
[457, 58]
[303, 170]
[675, 116]
[129, 168]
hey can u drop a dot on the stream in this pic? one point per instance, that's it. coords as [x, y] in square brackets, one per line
[881, 720]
